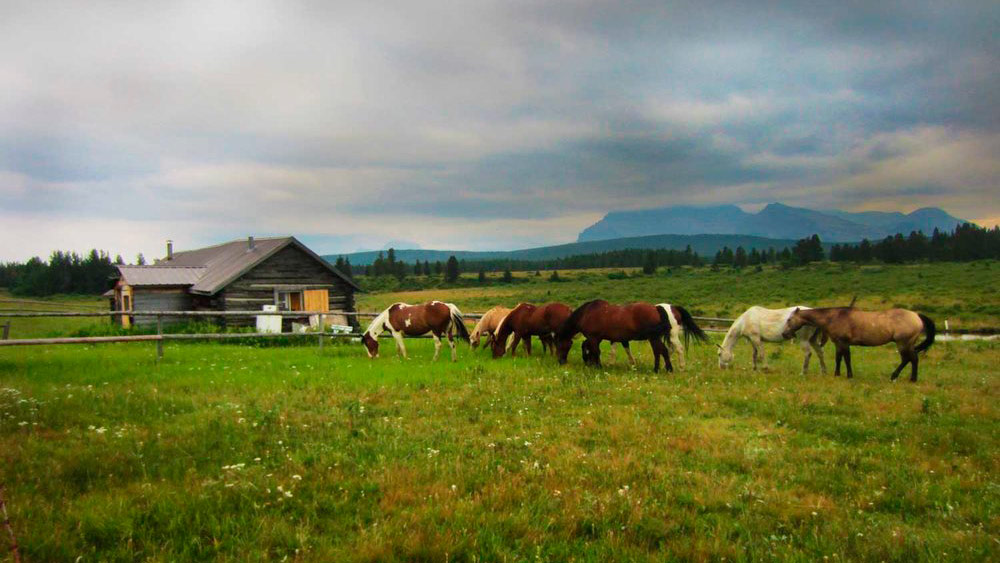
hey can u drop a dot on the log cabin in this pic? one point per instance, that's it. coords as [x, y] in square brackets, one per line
[241, 275]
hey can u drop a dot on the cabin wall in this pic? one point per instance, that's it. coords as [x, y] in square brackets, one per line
[288, 267]
[159, 299]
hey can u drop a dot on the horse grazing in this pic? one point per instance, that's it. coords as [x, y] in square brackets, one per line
[759, 325]
[488, 325]
[847, 326]
[527, 320]
[599, 320]
[414, 320]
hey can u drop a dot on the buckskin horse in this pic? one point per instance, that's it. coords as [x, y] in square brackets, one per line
[487, 325]
[527, 320]
[847, 326]
[400, 320]
[599, 320]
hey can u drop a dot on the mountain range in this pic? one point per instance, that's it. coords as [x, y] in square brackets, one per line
[705, 245]
[773, 221]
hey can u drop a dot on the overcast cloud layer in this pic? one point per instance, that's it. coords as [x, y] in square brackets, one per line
[485, 125]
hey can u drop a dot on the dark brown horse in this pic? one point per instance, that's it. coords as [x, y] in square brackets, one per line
[400, 319]
[599, 320]
[527, 320]
[847, 326]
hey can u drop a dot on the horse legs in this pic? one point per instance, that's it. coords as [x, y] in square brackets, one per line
[818, 348]
[512, 344]
[437, 345]
[660, 349]
[451, 342]
[913, 364]
[527, 344]
[847, 360]
[807, 350]
[628, 352]
[592, 352]
[400, 347]
[675, 344]
[840, 355]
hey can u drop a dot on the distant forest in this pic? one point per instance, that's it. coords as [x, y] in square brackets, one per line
[65, 272]
[68, 272]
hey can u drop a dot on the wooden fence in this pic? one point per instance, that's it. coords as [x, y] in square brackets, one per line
[160, 337]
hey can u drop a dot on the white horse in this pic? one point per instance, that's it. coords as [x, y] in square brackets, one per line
[761, 325]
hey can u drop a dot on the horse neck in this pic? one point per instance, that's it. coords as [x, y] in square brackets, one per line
[377, 325]
[733, 334]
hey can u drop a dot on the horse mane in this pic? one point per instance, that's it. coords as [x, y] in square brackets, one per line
[377, 325]
[569, 327]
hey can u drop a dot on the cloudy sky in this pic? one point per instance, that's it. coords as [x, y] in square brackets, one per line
[478, 125]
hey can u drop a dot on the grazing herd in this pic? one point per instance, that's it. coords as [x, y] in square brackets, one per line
[667, 328]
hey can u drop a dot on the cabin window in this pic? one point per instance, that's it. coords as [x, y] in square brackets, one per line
[290, 300]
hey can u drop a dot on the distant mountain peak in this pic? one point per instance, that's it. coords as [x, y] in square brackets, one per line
[776, 220]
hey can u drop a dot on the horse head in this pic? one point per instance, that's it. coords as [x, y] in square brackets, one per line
[371, 344]
[793, 324]
[725, 357]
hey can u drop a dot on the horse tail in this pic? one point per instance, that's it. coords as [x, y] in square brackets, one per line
[458, 322]
[690, 327]
[931, 331]
[570, 326]
[662, 330]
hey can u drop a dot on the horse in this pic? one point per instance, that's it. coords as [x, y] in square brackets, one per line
[401, 319]
[527, 320]
[599, 320]
[759, 325]
[681, 324]
[847, 326]
[488, 325]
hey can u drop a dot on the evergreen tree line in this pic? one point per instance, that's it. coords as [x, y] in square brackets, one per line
[967, 242]
[385, 265]
[65, 272]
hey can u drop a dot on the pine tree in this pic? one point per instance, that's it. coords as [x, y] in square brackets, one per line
[451, 270]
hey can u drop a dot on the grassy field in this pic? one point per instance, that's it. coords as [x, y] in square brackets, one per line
[235, 453]
[964, 293]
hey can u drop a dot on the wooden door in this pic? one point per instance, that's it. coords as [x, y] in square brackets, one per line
[317, 300]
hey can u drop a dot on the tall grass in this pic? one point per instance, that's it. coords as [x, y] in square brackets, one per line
[236, 453]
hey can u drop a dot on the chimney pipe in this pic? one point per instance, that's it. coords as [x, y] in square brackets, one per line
[170, 250]
[250, 245]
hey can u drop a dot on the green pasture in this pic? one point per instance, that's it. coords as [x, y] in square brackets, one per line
[965, 293]
[238, 453]
[269, 451]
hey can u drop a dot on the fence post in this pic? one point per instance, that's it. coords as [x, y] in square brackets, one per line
[159, 343]
[6, 331]
[322, 330]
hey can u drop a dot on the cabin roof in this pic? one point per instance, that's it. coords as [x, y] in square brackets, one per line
[208, 270]
[160, 275]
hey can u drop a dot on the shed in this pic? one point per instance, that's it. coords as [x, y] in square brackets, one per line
[240, 275]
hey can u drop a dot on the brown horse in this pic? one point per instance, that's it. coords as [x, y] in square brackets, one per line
[488, 325]
[527, 320]
[401, 319]
[847, 326]
[599, 320]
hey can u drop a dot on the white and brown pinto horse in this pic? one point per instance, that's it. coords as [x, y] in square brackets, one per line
[438, 318]
[487, 326]
[760, 325]
[847, 326]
